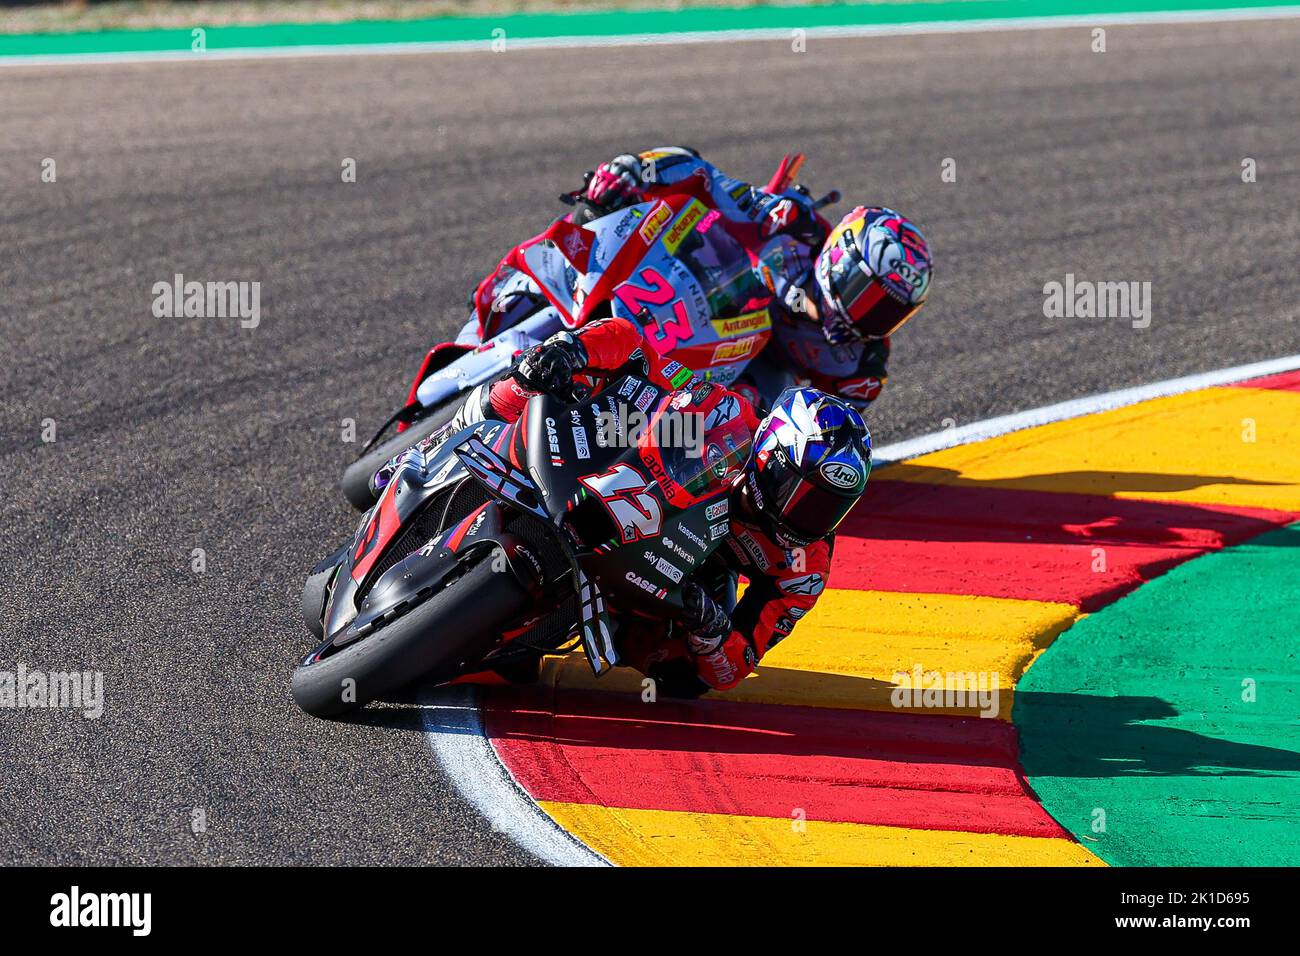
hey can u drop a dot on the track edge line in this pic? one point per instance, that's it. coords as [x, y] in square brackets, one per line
[845, 31]
[1075, 408]
[467, 756]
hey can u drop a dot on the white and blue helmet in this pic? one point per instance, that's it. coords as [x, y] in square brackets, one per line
[811, 459]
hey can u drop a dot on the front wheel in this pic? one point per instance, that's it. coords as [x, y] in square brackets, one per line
[452, 630]
[316, 592]
[355, 483]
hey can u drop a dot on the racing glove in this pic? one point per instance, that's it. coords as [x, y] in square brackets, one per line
[615, 184]
[550, 367]
[792, 217]
[707, 625]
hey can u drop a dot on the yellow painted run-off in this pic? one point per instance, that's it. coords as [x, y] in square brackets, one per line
[852, 647]
[667, 838]
[1227, 446]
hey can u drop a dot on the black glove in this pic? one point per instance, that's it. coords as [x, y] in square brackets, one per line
[550, 367]
[707, 625]
[677, 678]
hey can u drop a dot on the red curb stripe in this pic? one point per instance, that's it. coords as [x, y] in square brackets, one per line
[921, 772]
[1283, 381]
[916, 537]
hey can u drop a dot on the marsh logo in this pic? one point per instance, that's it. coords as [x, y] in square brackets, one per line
[208, 300]
[76, 909]
[1080, 299]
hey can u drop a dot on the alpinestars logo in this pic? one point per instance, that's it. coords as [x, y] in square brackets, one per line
[807, 584]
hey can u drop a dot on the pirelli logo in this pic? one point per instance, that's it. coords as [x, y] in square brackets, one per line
[746, 324]
[655, 222]
[687, 221]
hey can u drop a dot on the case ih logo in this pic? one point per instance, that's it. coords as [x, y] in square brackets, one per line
[553, 443]
[645, 585]
[655, 222]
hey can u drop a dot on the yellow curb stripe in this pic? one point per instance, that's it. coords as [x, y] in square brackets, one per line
[850, 650]
[1228, 446]
[673, 838]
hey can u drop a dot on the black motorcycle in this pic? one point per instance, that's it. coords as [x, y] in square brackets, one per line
[508, 541]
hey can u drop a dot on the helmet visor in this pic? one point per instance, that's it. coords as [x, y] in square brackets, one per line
[810, 511]
[871, 310]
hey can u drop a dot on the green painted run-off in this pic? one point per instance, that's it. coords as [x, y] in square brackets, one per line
[611, 23]
[1143, 712]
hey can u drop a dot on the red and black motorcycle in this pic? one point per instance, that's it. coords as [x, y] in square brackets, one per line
[510, 540]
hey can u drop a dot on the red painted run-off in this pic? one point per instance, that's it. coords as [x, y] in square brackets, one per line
[912, 536]
[1284, 381]
[924, 772]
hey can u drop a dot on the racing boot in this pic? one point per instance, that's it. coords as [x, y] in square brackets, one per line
[477, 407]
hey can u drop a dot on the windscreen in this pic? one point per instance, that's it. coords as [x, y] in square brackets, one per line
[722, 267]
[698, 461]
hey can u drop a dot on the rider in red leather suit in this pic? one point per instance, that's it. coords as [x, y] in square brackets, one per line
[720, 642]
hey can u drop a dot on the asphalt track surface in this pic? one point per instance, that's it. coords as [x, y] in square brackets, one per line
[175, 434]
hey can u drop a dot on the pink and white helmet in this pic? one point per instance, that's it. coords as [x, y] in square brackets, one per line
[873, 274]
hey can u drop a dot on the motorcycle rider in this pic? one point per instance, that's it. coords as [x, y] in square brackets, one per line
[809, 463]
[840, 292]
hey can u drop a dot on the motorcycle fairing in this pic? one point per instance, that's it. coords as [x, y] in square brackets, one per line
[503, 480]
[642, 540]
[611, 264]
[418, 478]
[500, 477]
[489, 361]
[437, 360]
[597, 638]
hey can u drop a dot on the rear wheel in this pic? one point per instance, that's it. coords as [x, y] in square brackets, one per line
[356, 477]
[446, 634]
